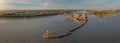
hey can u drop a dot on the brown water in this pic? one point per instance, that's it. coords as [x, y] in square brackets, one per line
[31, 30]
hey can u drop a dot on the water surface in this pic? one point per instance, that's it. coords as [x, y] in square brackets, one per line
[31, 30]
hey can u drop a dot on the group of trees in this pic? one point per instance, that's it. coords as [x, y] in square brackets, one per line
[30, 13]
[104, 11]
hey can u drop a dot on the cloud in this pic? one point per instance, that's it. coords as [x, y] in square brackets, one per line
[43, 3]
[46, 3]
[25, 1]
[49, 4]
[1, 1]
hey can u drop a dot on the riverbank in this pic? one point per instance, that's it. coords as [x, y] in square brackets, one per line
[21, 14]
[24, 16]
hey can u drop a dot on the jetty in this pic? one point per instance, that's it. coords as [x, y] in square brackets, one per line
[84, 19]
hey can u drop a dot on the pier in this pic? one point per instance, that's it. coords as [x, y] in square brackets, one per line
[84, 19]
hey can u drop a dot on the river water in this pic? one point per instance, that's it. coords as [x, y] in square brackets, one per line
[98, 29]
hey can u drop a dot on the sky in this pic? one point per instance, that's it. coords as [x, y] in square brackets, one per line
[59, 4]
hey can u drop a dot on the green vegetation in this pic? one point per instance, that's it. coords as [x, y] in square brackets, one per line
[30, 14]
[103, 13]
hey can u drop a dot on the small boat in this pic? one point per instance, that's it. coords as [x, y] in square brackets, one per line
[46, 35]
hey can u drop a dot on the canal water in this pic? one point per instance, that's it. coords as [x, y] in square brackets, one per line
[98, 29]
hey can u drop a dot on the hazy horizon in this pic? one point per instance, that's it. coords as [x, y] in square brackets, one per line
[58, 4]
